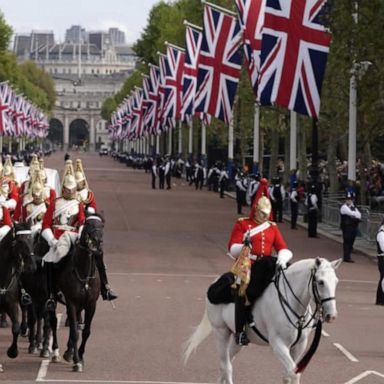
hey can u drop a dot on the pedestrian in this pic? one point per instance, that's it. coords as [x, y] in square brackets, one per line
[168, 171]
[161, 169]
[199, 175]
[253, 186]
[294, 198]
[251, 243]
[311, 202]
[380, 264]
[350, 218]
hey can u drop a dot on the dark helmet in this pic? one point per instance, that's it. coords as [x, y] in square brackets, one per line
[349, 195]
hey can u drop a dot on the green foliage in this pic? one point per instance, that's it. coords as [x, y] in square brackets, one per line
[5, 34]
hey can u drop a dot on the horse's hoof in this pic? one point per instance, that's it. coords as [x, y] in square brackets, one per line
[44, 353]
[68, 356]
[24, 331]
[78, 367]
[12, 353]
[56, 359]
[33, 350]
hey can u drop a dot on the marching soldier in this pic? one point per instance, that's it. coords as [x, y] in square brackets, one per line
[251, 243]
[87, 198]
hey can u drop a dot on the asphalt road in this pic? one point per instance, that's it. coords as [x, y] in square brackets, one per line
[163, 248]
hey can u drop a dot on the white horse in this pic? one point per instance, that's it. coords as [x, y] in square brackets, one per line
[283, 316]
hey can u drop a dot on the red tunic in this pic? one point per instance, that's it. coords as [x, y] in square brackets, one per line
[6, 219]
[74, 217]
[263, 242]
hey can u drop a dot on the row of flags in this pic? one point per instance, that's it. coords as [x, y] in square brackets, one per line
[19, 117]
[285, 44]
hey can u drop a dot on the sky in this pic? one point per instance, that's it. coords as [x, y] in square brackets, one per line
[129, 16]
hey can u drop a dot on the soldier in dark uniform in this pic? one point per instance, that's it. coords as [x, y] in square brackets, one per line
[154, 174]
[350, 218]
[241, 181]
[223, 180]
[168, 171]
[161, 169]
[380, 264]
[311, 202]
[277, 196]
[199, 175]
[294, 198]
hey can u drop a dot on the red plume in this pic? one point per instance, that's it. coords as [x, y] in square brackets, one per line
[261, 191]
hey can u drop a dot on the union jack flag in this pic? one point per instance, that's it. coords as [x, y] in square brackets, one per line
[173, 83]
[251, 17]
[193, 39]
[6, 102]
[294, 53]
[137, 113]
[163, 63]
[153, 117]
[219, 64]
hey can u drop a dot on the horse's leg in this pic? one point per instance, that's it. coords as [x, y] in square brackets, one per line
[24, 321]
[55, 345]
[223, 339]
[282, 352]
[73, 335]
[297, 352]
[46, 335]
[13, 313]
[32, 329]
[39, 327]
[88, 316]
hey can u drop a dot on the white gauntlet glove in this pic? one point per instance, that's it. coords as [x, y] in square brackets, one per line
[283, 257]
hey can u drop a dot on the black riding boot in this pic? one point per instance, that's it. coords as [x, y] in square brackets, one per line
[106, 291]
[50, 304]
[240, 320]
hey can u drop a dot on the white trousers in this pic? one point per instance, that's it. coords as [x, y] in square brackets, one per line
[61, 249]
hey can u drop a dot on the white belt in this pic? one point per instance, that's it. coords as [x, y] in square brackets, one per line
[64, 227]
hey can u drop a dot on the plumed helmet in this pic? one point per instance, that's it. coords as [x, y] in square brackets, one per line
[8, 168]
[262, 195]
[33, 165]
[79, 173]
[69, 181]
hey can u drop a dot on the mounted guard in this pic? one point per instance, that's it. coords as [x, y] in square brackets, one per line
[87, 198]
[62, 225]
[9, 195]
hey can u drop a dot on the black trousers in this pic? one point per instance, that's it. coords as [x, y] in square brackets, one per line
[349, 236]
[312, 222]
[380, 292]
[153, 181]
[294, 214]
[240, 199]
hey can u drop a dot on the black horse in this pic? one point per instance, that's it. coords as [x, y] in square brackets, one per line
[79, 281]
[34, 280]
[16, 250]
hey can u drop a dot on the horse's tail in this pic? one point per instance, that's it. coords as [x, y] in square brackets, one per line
[201, 332]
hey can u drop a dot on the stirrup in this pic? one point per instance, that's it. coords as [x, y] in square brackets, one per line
[241, 338]
[50, 305]
[108, 294]
[26, 299]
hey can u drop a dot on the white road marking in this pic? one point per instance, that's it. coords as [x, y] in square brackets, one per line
[42, 370]
[325, 334]
[346, 353]
[362, 375]
[117, 381]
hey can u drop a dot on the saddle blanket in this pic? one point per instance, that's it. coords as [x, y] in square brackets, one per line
[61, 249]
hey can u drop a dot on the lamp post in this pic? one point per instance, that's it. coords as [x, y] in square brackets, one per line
[358, 70]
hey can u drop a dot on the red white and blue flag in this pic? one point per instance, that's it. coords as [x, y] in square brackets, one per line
[6, 101]
[251, 17]
[173, 83]
[219, 64]
[294, 53]
[193, 39]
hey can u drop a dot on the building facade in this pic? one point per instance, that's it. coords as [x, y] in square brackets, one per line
[85, 73]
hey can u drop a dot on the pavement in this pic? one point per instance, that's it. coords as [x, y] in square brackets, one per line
[362, 246]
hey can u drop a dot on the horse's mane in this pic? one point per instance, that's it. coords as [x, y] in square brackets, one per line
[98, 215]
[304, 264]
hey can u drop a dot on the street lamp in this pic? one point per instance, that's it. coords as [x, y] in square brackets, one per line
[357, 72]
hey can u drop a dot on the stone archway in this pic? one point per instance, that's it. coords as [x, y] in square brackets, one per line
[56, 132]
[79, 134]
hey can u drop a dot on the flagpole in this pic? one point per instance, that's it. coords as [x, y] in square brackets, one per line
[203, 139]
[174, 46]
[229, 12]
[180, 138]
[157, 145]
[256, 140]
[230, 147]
[187, 23]
[190, 136]
[293, 141]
